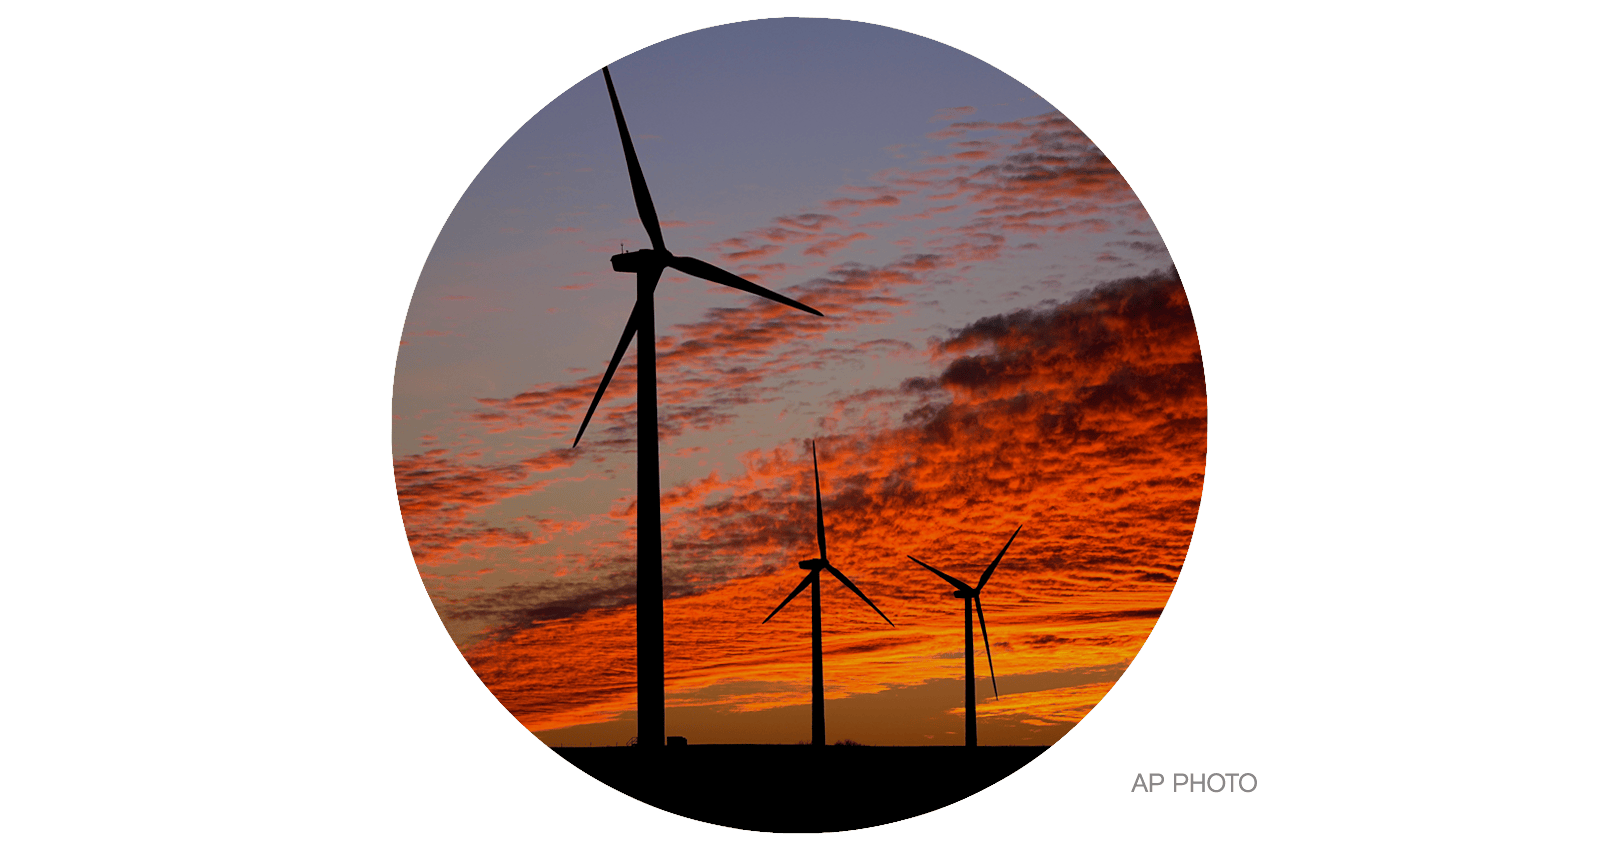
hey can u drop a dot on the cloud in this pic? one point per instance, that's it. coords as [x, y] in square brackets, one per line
[809, 221]
[884, 200]
[1105, 392]
[439, 496]
[829, 246]
[954, 112]
[1083, 422]
[742, 248]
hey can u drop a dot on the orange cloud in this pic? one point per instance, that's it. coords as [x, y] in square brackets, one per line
[1083, 422]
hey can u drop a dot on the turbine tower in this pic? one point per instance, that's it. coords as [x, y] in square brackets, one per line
[813, 568]
[647, 265]
[970, 594]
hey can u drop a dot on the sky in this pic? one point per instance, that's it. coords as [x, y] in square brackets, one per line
[1005, 343]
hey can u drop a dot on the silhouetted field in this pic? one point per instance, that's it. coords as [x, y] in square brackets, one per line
[799, 788]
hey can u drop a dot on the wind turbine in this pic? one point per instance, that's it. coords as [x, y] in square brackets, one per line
[647, 265]
[814, 568]
[970, 594]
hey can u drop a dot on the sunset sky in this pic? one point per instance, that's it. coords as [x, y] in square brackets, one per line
[1005, 343]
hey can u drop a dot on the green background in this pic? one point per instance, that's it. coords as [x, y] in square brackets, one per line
[213, 221]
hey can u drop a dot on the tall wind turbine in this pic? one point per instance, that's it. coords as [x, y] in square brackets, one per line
[647, 265]
[813, 568]
[970, 594]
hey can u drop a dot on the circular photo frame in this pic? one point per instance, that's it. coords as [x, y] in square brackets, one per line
[799, 314]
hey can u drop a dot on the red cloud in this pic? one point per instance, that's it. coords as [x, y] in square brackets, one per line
[1084, 423]
[885, 200]
[828, 246]
[439, 497]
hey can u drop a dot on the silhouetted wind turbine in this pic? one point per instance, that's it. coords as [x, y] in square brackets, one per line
[647, 266]
[970, 594]
[813, 568]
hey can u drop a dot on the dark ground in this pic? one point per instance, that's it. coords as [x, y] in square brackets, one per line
[799, 788]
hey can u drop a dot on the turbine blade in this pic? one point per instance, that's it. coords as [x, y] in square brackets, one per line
[822, 536]
[641, 192]
[982, 625]
[847, 583]
[616, 358]
[989, 572]
[703, 269]
[810, 577]
[958, 583]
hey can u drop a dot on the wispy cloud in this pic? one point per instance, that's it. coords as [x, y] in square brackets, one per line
[440, 494]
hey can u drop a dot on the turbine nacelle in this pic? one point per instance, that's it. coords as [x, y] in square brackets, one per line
[645, 260]
[813, 564]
